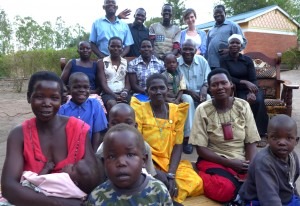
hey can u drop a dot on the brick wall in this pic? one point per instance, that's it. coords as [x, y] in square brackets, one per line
[269, 44]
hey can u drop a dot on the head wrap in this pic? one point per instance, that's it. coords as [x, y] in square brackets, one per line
[236, 36]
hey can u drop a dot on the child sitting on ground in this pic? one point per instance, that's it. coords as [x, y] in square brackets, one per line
[124, 157]
[176, 82]
[84, 108]
[123, 113]
[275, 169]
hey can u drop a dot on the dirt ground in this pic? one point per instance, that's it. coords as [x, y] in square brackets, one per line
[14, 109]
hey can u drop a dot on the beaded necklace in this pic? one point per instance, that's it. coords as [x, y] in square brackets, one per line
[166, 118]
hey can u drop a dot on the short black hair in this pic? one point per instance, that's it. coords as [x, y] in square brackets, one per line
[125, 127]
[43, 76]
[220, 6]
[81, 42]
[114, 38]
[145, 39]
[156, 76]
[218, 71]
[77, 75]
[140, 9]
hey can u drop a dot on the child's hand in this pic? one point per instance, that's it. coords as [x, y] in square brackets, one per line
[240, 166]
[173, 190]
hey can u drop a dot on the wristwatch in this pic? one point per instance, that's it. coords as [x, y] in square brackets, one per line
[170, 175]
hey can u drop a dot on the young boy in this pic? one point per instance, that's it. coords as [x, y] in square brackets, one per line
[87, 109]
[275, 169]
[176, 82]
[123, 113]
[124, 158]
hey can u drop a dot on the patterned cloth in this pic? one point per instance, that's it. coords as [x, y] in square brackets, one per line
[143, 70]
[102, 30]
[115, 77]
[151, 192]
[164, 37]
[162, 143]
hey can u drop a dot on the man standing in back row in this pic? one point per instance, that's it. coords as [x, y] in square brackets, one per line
[165, 36]
[217, 37]
[138, 31]
[109, 26]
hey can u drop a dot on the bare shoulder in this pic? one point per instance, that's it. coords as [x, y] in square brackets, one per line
[16, 134]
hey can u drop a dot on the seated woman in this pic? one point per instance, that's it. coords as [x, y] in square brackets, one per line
[198, 36]
[224, 134]
[142, 67]
[47, 138]
[242, 72]
[85, 65]
[161, 125]
[113, 75]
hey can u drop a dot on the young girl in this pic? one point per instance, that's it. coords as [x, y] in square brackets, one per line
[46, 138]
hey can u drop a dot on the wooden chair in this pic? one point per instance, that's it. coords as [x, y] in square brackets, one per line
[278, 93]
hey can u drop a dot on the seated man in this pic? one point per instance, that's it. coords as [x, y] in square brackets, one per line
[195, 70]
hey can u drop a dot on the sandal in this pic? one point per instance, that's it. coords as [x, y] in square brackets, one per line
[262, 143]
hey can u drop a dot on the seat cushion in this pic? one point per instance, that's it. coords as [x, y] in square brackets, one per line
[274, 102]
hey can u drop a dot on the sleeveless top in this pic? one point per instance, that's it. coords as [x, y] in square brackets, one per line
[91, 72]
[34, 159]
[115, 77]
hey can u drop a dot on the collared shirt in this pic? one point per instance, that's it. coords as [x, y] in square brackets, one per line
[176, 82]
[217, 38]
[242, 69]
[139, 33]
[90, 112]
[103, 30]
[195, 74]
[143, 70]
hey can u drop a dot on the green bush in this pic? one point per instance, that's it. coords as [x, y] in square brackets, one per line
[24, 63]
[291, 58]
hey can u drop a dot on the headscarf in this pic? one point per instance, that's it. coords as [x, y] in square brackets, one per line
[236, 36]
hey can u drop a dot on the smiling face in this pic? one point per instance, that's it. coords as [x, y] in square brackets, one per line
[282, 138]
[110, 7]
[79, 89]
[188, 51]
[84, 50]
[234, 46]
[139, 17]
[45, 99]
[220, 87]
[115, 48]
[190, 19]
[219, 15]
[123, 158]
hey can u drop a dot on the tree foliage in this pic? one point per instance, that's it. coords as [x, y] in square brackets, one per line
[178, 9]
[233, 7]
[5, 33]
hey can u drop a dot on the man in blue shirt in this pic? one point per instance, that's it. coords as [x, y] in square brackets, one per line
[87, 109]
[109, 26]
[217, 37]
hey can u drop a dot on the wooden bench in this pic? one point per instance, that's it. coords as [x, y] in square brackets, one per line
[200, 200]
[278, 93]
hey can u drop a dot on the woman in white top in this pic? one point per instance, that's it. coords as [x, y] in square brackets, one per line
[113, 75]
[198, 36]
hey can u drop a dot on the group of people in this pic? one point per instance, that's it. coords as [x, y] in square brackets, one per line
[117, 139]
